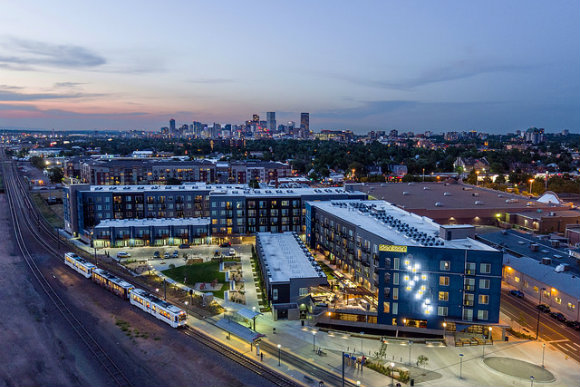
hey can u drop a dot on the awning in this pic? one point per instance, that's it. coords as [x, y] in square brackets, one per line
[248, 313]
[238, 330]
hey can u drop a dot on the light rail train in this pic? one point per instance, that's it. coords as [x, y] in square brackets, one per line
[140, 298]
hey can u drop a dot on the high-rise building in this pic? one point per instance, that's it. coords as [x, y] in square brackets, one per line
[271, 119]
[172, 125]
[305, 122]
[256, 119]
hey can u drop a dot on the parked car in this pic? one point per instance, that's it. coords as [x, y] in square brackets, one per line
[123, 254]
[157, 255]
[175, 254]
[517, 293]
[558, 316]
[184, 246]
[166, 255]
[573, 324]
[543, 308]
[226, 244]
[231, 252]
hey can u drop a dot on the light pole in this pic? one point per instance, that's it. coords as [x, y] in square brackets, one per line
[314, 341]
[392, 377]
[410, 345]
[444, 330]
[531, 182]
[539, 311]
[532, 381]
[279, 350]
[460, 366]
[543, 353]
[477, 178]
[361, 343]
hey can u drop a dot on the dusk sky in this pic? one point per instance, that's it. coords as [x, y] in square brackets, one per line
[494, 66]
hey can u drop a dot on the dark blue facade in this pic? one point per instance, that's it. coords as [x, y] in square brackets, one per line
[426, 286]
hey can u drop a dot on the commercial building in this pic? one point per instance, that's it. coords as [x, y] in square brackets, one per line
[544, 221]
[288, 271]
[545, 270]
[416, 273]
[139, 171]
[456, 203]
[233, 209]
[148, 232]
[271, 119]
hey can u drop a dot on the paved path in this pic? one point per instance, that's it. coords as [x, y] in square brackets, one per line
[519, 369]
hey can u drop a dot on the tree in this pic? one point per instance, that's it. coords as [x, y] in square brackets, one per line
[254, 183]
[471, 178]
[500, 179]
[422, 361]
[55, 175]
[37, 162]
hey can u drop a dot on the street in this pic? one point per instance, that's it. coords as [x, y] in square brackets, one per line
[552, 332]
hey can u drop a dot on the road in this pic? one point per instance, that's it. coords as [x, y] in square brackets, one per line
[552, 332]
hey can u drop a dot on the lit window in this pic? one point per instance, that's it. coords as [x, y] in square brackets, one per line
[517, 279]
[443, 296]
[445, 265]
[442, 311]
[485, 268]
[483, 299]
[558, 300]
[444, 281]
[571, 306]
[484, 284]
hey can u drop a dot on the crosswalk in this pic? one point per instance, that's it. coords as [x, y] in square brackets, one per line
[568, 347]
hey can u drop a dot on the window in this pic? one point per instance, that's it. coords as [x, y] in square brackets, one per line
[395, 293]
[482, 314]
[484, 284]
[571, 306]
[386, 307]
[387, 293]
[469, 284]
[536, 289]
[517, 279]
[470, 268]
[443, 296]
[395, 309]
[442, 311]
[395, 278]
[558, 300]
[483, 299]
[445, 265]
[468, 314]
[468, 299]
[275, 294]
[303, 291]
[444, 281]
[396, 263]
[485, 268]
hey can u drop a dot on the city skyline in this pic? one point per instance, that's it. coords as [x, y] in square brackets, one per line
[448, 66]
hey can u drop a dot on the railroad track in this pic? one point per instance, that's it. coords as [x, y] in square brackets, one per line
[84, 334]
[47, 239]
[255, 366]
[306, 366]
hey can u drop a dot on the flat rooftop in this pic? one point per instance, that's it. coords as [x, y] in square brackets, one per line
[394, 224]
[223, 189]
[153, 222]
[415, 196]
[287, 257]
[519, 243]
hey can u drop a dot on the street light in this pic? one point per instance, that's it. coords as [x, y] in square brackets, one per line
[460, 365]
[361, 343]
[314, 340]
[358, 382]
[392, 377]
[531, 182]
[410, 345]
[538, 320]
[532, 381]
[279, 346]
[543, 353]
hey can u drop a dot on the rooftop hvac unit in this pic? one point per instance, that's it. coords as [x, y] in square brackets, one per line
[438, 204]
[478, 203]
[446, 193]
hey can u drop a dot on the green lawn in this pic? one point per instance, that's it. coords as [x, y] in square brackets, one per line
[327, 270]
[199, 272]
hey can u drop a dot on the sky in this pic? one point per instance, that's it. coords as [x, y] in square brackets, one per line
[495, 66]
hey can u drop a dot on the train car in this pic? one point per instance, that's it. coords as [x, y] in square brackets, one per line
[79, 265]
[162, 310]
[114, 284]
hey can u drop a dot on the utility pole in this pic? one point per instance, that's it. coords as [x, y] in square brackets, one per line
[539, 312]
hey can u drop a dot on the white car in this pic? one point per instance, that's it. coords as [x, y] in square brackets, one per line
[123, 254]
[232, 252]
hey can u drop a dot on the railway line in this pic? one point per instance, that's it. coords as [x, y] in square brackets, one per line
[30, 218]
[83, 333]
